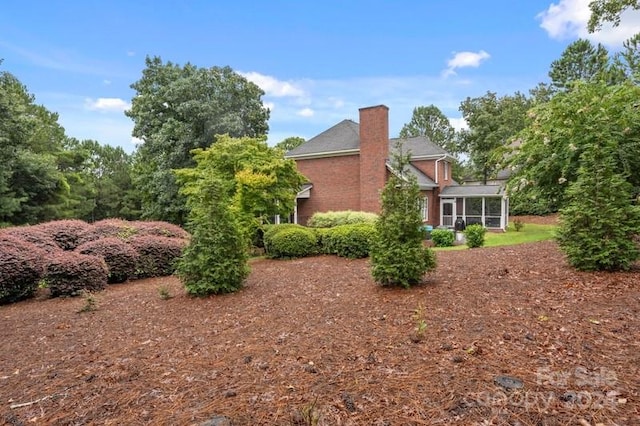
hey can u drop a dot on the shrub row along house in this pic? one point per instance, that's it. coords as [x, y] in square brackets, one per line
[348, 165]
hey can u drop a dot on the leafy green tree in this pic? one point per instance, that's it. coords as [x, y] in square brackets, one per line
[581, 61]
[493, 122]
[265, 184]
[627, 61]
[288, 144]
[216, 259]
[548, 158]
[599, 222]
[398, 256]
[430, 122]
[180, 108]
[32, 189]
[608, 11]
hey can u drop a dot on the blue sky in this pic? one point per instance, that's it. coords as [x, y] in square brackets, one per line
[318, 62]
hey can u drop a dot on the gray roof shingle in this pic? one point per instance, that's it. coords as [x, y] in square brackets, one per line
[345, 136]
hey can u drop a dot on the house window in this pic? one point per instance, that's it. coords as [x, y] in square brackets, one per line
[425, 208]
[492, 212]
[446, 170]
[473, 210]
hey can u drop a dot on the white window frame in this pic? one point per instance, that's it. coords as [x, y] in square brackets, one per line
[425, 208]
[446, 170]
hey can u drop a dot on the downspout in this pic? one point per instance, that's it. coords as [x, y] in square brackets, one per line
[438, 160]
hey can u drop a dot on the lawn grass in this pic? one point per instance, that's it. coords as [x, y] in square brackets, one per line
[530, 233]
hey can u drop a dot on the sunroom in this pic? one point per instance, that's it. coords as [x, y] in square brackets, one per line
[487, 205]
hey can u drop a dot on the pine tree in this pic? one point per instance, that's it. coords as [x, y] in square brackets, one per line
[598, 224]
[398, 256]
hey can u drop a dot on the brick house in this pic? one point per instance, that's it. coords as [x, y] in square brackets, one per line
[348, 165]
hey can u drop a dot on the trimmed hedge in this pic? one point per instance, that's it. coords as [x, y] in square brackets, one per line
[109, 228]
[160, 229]
[474, 234]
[121, 258]
[71, 273]
[289, 241]
[33, 235]
[330, 219]
[157, 255]
[443, 237]
[351, 241]
[65, 233]
[21, 268]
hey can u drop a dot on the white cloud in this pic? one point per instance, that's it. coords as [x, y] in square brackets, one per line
[568, 19]
[465, 60]
[131, 53]
[274, 87]
[269, 105]
[107, 104]
[459, 123]
[306, 112]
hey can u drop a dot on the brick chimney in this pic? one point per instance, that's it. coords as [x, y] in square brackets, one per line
[374, 152]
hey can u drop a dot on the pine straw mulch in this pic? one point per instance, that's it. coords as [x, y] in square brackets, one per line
[315, 341]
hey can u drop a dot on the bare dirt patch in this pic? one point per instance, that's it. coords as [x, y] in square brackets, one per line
[513, 336]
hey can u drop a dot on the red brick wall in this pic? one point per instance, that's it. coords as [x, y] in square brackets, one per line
[374, 151]
[428, 167]
[336, 185]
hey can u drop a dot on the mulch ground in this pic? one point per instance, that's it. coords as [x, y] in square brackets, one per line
[510, 336]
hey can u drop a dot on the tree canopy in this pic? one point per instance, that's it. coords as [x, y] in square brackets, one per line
[430, 122]
[177, 109]
[493, 122]
[548, 157]
[608, 11]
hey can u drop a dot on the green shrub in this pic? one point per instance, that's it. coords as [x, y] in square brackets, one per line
[121, 258]
[21, 268]
[157, 255]
[160, 229]
[321, 235]
[291, 242]
[271, 230]
[442, 237]
[398, 256]
[352, 241]
[71, 273]
[348, 217]
[474, 234]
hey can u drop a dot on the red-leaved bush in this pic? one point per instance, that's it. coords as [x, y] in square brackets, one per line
[69, 273]
[161, 229]
[157, 254]
[65, 233]
[108, 228]
[121, 258]
[21, 268]
[33, 235]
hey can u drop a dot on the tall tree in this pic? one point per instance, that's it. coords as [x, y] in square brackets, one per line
[608, 11]
[180, 108]
[581, 61]
[289, 143]
[493, 122]
[548, 159]
[430, 122]
[32, 188]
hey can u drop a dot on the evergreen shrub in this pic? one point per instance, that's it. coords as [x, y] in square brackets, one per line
[21, 268]
[71, 273]
[33, 235]
[109, 228]
[65, 233]
[160, 229]
[290, 242]
[156, 255]
[442, 237]
[121, 258]
[330, 219]
[351, 241]
[474, 234]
